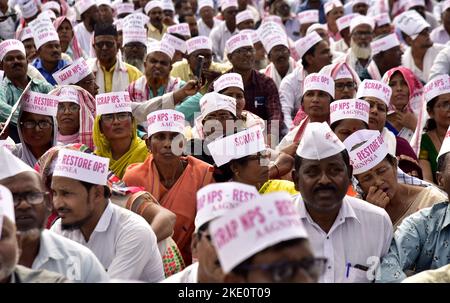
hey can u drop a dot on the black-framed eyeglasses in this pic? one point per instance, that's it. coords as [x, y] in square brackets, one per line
[32, 197]
[342, 86]
[284, 271]
[109, 118]
[361, 34]
[72, 108]
[30, 124]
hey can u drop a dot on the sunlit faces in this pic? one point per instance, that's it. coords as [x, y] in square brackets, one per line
[37, 130]
[377, 114]
[316, 104]
[15, 64]
[400, 91]
[165, 146]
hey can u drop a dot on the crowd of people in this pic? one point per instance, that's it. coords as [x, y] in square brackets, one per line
[216, 141]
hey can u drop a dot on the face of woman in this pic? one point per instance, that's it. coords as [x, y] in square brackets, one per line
[378, 113]
[116, 126]
[68, 118]
[400, 91]
[316, 104]
[238, 94]
[218, 123]
[65, 31]
[254, 171]
[441, 111]
[383, 176]
[166, 146]
[41, 134]
[347, 127]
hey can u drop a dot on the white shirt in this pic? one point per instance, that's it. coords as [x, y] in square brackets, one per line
[441, 64]
[204, 30]
[271, 71]
[361, 234]
[68, 258]
[187, 275]
[339, 46]
[219, 36]
[440, 35]
[291, 91]
[124, 243]
[7, 27]
[83, 36]
[428, 59]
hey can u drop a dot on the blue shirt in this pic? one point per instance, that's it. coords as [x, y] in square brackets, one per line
[48, 75]
[305, 6]
[421, 242]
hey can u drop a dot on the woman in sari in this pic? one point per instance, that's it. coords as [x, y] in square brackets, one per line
[67, 38]
[169, 176]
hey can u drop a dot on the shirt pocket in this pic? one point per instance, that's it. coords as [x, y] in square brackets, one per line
[356, 275]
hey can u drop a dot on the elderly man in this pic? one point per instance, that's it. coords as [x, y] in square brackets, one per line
[337, 224]
[41, 248]
[134, 41]
[84, 30]
[112, 74]
[156, 28]
[225, 30]
[421, 51]
[207, 21]
[441, 34]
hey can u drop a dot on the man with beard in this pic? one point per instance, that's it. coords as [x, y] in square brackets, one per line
[219, 35]
[124, 242]
[337, 224]
[112, 74]
[41, 248]
[386, 54]
[441, 34]
[10, 271]
[156, 28]
[421, 51]
[134, 46]
[88, 11]
[343, 25]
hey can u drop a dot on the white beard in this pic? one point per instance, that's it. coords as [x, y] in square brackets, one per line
[138, 63]
[360, 52]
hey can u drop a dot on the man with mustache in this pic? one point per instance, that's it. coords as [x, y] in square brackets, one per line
[41, 248]
[156, 28]
[352, 234]
[134, 46]
[88, 11]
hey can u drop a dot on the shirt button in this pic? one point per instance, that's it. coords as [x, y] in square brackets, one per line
[328, 238]
[329, 267]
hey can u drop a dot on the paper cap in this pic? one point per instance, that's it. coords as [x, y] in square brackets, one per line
[308, 16]
[28, 8]
[11, 165]
[182, 29]
[26, 34]
[228, 80]
[384, 44]
[445, 148]
[250, 228]
[319, 142]
[368, 155]
[408, 4]
[11, 45]
[382, 19]
[43, 32]
[114, 102]
[411, 23]
[439, 85]
[168, 5]
[124, 8]
[315, 27]
[302, 45]
[6, 206]
[106, 2]
[73, 73]
[224, 4]
[344, 21]
[68, 94]
[349, 109]
[354, 2]
[244, 16]
[84, 5]
[151, 5]
[197, 43]
[237, 41]
[53, 5]
[252, 33]
[360, 20]
[47, 14]
[321, 82]
[41, 104]
[445, 5]
[177, 43]
[135, 20]
[134, 34]
[204, 3]
[166, 120]
[272, 18]
[330, 5]
[375, 88]
[214, 101]
[343, 73]
[216, 199]
[271, 35]
[81, 166]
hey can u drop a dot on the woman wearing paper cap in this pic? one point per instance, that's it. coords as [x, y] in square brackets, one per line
[376, 172]
[170, 177]
[67, 38]
[348, 116]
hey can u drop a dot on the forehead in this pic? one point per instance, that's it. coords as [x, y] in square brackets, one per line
[33, 116]
[351, 123]
[14, 53]
[363, 28]
[158, 56]
[102, 38]
[23, 182]
[333, 160]
[374, 100]
[232, 90]
[203, 52]
[344, 80]
[63, 182]
[156, 10]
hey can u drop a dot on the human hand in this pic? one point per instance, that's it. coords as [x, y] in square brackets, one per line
[377, 197]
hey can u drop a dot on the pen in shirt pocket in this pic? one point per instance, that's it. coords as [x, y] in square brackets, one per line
[357, 266]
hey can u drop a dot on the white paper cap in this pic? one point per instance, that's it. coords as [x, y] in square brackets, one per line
[151, 5]
[215, 200]
[118, 23]
[53, 5]
[244, 143]
[6, 206]
[375, 88]
[349, 109]
[271, 35]
[47, 14]
[344, 21]
[367, 155]
[68, 94]
[9, 45]
[177, 43]
[203, 3]
[11, 165]
[81, 166]
[445, 148]
[41, 104]
[83, 5]
[237, 41]
[439, 85]
[228, 80]
[411, 23]
[168, 5]
[43, 32]
[134, 34]
[445, 5]
[73, 73]
[181, 28]
[106, 2]
[28, 8]
[302, 45]
[135, 19]
[253, 33]
[224, 4]
[308, 16]
[319, 142]
[214, 101]
[124, 8]
[249, 228]
[315, 27]
[382, 19]
[166, 120]
[244, 16]
[272, 18]
[197, 43]
[114, 102]
[163, 47]
[354, 2]
[321, 82]
[8, 143]
[384, 44]
[343, 73]
[408, 4]
[26, 34]
[330, 5]
[359, 20]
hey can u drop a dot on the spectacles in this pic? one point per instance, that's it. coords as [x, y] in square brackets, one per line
[32, 197]
[109, 118]
[223, 117]
[285, 270]
[444, 105]
[108, 44]
[342, 86]
[135, 45]
[72, 108]
[32, 124]
[244, 50]
[361, 34]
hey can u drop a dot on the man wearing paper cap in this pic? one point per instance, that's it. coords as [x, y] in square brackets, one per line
[382, 25]
[420, 7]
[156, 29]
[315, 54]
[219, 35]
[115, 235]
[165, 173]
[360, 6]
[244, 20]
[213, 201]
[112, 74]
[307, 18]
[41, 248]
[253, 251]
[191, 20]
[89, 15]
[441, 33]
[333, 11]
[10, 250]
[29, 9]
[350, 232]
[346, 80]
[416, 33]
[134, 42]
[386, 54]
[207, 21]
[348, 116]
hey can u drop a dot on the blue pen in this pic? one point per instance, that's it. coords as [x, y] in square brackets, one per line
[348, 270]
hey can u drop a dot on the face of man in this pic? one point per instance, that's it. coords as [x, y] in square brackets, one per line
[243, 59]
[393, 57]
[15, 65]
[41, 135]
[360, 8]
[229, 15]
[156, 16]
[260, 52]
[192, 25]
[423, 40]
[186, 8]
[105, 14]
[209, 269]
[247, 24]
[168, 17]
[30, 49]
[193, 58]
[9, 249]
[157, 67]
[360, 41]
[280, 55]
[134, 54]
[89, 84]
[320, 57]
[92, 15]
[282, 9]
[207, 13]
[50, 52]
[105, 48]
[323, 183]
[28, 185]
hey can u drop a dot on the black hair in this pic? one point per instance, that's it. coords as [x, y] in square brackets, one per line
[431, 123]
[441, 162]
[88, 186]
[105, 29]
[309, 52]
[202, 229]
[182, 18]
[344, 153]
[179, 3]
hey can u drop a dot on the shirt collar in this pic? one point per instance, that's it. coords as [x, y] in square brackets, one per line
[447, 217]
[38, 62]
[8, 82]
[105, 219]
[48, 248]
